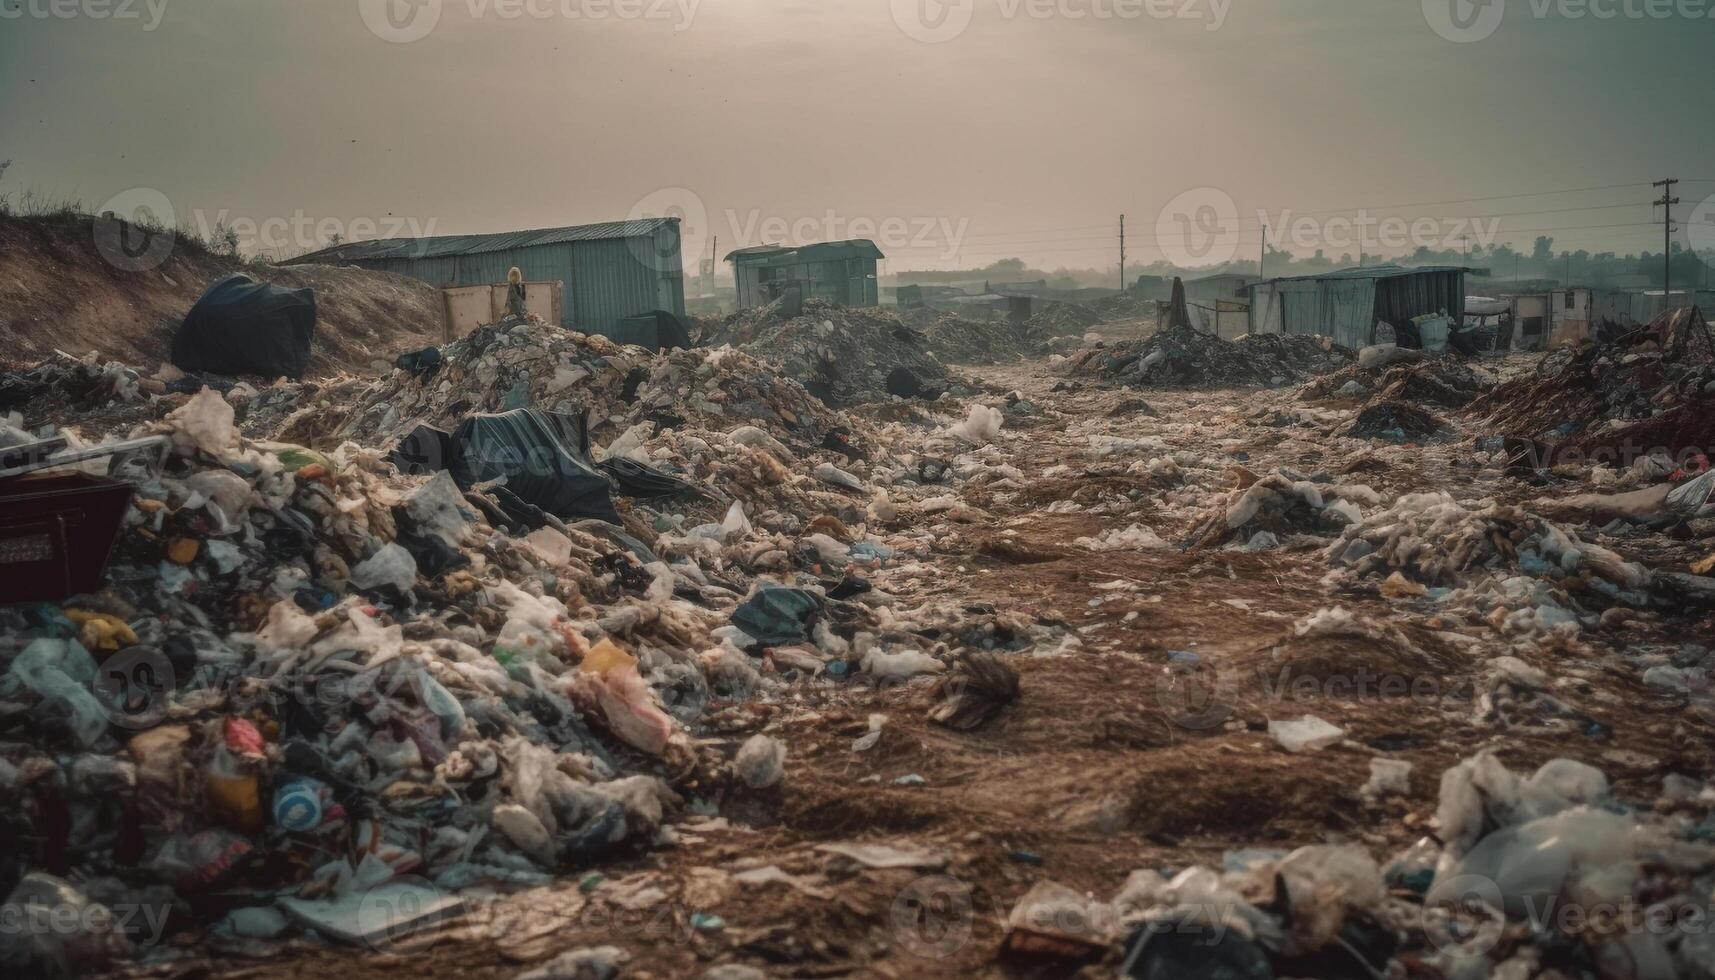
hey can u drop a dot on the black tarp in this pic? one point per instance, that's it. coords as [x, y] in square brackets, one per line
[244, 327]
[656, 330]
[542, 467]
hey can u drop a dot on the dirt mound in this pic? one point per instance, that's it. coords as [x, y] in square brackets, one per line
[1062, 319]
[59, 290]
[1182, 357]
[1444, 381]
[1397, 421]
[842, 356]
[1649, 390]
[961, 340]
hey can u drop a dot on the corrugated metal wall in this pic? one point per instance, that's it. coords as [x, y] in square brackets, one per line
[605, 281]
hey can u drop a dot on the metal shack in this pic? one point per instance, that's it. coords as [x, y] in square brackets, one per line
[608, 271]
[1218, 305]
[843, 272]
[1348, 305]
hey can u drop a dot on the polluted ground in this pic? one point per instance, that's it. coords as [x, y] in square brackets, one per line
[846, 644]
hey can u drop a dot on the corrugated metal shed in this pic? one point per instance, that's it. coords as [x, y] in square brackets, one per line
[843, 272]
[610, 270]
[1346, 305]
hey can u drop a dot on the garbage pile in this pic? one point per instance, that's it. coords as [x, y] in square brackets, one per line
[1524, 872]
[1062, 319]
[1501, 564]
[1648, 390]
[1183, 357]
[842, 356]
[956, 339]
[61, 385]
[1395, 421]
[544, 367]
[311, 676]
[1279, 508]
[1402, 374]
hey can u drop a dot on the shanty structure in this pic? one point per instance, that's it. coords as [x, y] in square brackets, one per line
[1351, 305]
[1219, 304]
[842, 272]
[1572, 315]
[607, 271]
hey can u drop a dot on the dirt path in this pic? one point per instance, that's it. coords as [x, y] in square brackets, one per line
[1144, 745]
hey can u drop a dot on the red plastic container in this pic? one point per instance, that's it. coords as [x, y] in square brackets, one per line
[56, 533]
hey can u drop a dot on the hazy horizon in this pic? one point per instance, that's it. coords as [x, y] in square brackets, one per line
[1026, 133]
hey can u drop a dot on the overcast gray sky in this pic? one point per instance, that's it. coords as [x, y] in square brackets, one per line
[960, 133]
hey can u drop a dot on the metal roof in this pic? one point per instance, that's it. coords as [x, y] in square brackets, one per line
[1372, 272]
[444, 245]
[817, 251]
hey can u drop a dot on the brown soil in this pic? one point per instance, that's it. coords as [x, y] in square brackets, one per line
[58, 291]
[1108, 762]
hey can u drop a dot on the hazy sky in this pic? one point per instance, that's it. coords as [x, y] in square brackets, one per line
[1001, 127]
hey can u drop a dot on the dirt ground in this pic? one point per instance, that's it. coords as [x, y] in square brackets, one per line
[76, 284]
[1111, 760]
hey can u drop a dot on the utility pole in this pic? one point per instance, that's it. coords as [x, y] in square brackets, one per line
[1262, 256]
[1667, 202]
[1122, 253]
[714, 262]
[1466, 240]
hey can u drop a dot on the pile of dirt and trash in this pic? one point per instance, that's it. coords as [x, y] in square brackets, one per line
[79, 283]
[1281, 508]
[314, 674]
[1389, 373]
[536, 365]
[842, 356]
[1648, 391]
[956, 339]
[1061, 320]
[1501, 564]
[1184, 357]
